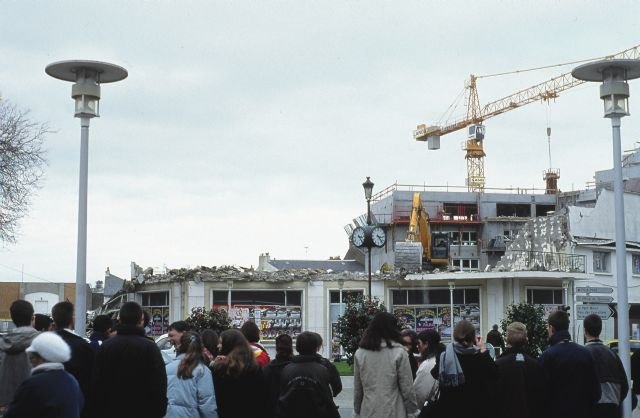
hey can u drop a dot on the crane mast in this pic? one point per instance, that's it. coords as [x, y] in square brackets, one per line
[477, 114]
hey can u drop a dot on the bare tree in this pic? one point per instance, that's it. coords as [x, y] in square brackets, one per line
[22, 163]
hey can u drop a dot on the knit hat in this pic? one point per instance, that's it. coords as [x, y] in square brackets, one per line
[51, 347]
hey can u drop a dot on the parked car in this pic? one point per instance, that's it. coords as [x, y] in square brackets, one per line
[634, 345]
[167, 349]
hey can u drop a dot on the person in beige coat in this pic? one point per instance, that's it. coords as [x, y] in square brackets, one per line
[383, 383]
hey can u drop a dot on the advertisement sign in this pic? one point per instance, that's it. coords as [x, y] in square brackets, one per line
[408, 315]
[426, 319]
[273, 320]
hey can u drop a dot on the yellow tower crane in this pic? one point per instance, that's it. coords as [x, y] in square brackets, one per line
[477, 114]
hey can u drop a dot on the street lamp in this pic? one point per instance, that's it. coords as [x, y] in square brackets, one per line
[87, 77]
[368, 189]
[614, 91]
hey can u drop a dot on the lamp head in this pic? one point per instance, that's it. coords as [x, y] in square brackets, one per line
[86, 92]
[614, 91]
[368, 188]
[87, 77]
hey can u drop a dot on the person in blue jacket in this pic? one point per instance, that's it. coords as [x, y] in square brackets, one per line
[50, 392]
[189, 382]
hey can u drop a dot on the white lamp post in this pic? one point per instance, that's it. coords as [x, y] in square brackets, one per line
[87, 77]
[614, 91]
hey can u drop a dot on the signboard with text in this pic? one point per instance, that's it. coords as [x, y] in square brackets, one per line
[600, 309]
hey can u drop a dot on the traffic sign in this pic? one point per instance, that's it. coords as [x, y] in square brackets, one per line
[591, 289]
[594, 299]
[602, 310]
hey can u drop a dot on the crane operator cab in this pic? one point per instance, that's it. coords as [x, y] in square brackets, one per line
[440, 246]
[476, 132]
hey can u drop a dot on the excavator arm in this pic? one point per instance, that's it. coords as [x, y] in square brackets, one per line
[420, 231]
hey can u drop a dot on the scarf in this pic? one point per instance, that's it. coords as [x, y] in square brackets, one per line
[451, 374]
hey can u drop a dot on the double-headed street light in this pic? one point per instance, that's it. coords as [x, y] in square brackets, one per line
[87, 77]
[368, 236]
[614, 91]
[368, 189]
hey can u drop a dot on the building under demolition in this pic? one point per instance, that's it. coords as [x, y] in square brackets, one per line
[449, 255]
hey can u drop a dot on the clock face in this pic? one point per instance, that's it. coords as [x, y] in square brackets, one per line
[358, 236]
[378, 236]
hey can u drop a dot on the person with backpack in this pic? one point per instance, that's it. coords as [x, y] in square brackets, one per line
[305, 384]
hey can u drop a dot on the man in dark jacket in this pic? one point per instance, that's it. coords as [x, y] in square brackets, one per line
[334, 376]
[495, 339]
[306, 368]
[130, 369]
[82, 355]
[572, 383]
[521, 385]
[102, 327]
[611, 375]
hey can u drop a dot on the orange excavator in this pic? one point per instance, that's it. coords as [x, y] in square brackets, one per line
[423, 248]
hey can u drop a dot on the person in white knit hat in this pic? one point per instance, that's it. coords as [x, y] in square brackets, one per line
[50, 391]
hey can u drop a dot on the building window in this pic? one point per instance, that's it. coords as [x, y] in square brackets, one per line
[156, 304]
[466, 264]
[635, 263]
[600, 261]
[275, 311]
[423, 309]
[549, 298]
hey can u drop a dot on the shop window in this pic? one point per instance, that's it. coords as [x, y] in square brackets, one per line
[435, 311]
[275, 311]
[156, 304]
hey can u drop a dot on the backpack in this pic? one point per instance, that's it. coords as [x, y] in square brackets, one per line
[305, 397]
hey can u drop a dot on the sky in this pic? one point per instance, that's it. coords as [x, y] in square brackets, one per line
[247, 127]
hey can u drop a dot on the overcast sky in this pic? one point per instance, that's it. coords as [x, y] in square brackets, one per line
[249, 127]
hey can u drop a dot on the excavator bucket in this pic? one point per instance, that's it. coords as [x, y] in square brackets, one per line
[408, 256]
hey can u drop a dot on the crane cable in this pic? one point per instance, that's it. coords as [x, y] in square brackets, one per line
[541, 68]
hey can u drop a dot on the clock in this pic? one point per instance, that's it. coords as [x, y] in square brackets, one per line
[378, 236]
[358, 237]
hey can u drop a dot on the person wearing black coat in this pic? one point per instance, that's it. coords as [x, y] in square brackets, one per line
[130, 379]
[238, 380]
[273, 370]
[82, 355]
[521, 389]
[307, 364]
[468, 376]
[571, 378]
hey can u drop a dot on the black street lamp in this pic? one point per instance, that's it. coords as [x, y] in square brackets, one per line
[368, 188]
[370, 235]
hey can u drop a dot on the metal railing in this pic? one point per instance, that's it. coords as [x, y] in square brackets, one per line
[544, 261]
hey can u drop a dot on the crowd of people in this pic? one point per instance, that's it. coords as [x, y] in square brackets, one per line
[48, 371]
[567, 380]
[51, 372]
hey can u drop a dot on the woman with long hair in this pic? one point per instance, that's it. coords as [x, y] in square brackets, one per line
[410, 342]
[189, 382]
[466, 375]
[383, 383]
[239, 382]
[209, 345]
[425, 385]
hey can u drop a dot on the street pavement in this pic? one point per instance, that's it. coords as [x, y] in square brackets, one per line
[344, 400]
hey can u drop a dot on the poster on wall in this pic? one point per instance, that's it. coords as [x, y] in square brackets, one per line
[425, 319]
[472, 314]
[444, 315]
[408, 315]
[273, 320]
[157, 321]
